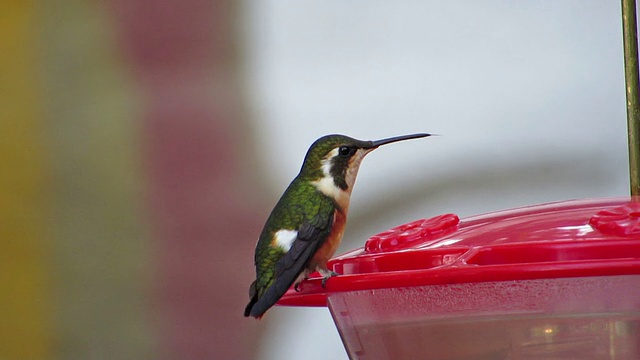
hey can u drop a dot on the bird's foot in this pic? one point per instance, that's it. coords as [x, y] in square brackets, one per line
[302, 277]
[326, 274]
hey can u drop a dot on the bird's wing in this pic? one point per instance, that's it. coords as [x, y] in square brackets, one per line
[310, 237]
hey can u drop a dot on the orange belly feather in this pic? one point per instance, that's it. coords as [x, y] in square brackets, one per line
[326, 251]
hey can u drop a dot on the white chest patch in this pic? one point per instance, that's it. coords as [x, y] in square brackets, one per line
[326, 184]
[284, 238]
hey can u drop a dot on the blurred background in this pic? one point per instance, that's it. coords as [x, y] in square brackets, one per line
[143, 144]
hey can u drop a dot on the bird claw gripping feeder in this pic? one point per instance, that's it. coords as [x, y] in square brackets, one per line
[554, 281]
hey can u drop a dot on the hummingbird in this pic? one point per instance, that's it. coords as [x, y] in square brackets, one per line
[306, 225]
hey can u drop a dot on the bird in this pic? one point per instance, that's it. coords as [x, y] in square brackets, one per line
[306, 225]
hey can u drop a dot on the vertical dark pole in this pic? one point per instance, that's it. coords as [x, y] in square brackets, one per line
[630, 35]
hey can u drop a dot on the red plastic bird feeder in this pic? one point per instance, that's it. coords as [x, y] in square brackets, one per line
[551, 281]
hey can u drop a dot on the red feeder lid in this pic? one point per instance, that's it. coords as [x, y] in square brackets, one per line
[567, 239]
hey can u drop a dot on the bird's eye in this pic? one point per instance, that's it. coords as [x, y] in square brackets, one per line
[345, 151]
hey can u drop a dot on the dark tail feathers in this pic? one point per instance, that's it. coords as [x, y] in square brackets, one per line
[254, 298]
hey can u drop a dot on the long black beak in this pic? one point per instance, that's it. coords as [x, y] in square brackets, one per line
[376, 143]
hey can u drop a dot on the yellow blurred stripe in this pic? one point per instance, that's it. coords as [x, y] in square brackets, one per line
[25, 326]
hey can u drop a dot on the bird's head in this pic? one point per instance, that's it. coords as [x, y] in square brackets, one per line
[332, 161]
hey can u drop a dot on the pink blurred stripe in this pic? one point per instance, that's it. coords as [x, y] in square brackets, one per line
[181, 54]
